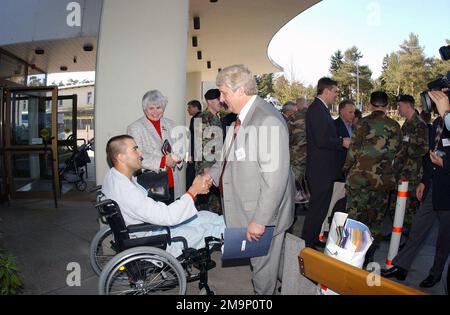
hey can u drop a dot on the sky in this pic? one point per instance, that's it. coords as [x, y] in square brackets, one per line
[377, 28]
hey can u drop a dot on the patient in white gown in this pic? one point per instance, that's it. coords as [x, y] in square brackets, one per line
[181, 216]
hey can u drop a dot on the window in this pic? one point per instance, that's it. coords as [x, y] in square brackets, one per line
[89, 98]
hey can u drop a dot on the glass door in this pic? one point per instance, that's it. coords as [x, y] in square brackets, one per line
[31, 139]
[3, 189]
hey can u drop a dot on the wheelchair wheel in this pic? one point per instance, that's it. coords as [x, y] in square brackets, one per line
[143, 271]
[101, 249]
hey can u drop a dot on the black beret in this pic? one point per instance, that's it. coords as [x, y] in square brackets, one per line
[406, 99]
[212, 94]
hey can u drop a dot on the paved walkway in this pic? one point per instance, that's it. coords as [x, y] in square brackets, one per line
[46, 239]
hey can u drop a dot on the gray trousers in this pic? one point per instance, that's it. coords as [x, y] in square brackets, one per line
[422, 223]
[266, 269]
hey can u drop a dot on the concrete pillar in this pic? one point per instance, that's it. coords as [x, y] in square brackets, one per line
[193, 90]
[141, 46]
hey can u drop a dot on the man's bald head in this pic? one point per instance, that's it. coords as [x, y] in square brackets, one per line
[115, 146]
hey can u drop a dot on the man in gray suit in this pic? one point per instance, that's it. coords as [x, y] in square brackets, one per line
[254, 173]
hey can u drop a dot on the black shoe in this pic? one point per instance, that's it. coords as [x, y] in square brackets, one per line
[320, 244]
[429, 282]
[370, 255]
[395, 272]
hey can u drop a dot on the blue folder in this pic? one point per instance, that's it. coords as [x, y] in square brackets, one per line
[236, 245]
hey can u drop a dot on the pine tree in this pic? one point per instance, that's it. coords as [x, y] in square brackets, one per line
[412, 65]
[265, 84]
[345, 72]
[336, 62]
[286, 91]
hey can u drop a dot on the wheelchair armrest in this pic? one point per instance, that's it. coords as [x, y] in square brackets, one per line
[145, 227]
[180, 239]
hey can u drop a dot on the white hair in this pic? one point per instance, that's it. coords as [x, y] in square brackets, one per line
[153, 97]
[238, 76]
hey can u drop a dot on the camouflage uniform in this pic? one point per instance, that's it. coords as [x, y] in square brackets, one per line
[408, 163]
[211, 201]
[370, 176]
[297, 143]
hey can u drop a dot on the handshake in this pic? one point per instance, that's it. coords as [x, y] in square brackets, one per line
[201, 185]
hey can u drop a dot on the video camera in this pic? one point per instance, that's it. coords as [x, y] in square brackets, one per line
[439, 84]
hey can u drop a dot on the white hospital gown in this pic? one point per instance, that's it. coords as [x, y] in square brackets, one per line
[181, 216]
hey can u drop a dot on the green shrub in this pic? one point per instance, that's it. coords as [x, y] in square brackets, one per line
[10, 282]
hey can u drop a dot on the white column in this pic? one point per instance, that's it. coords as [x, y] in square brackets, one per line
[142, 46]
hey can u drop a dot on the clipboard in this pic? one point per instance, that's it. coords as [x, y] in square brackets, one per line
[236, 245]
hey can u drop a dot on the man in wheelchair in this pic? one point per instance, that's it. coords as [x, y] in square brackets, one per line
[154, 246]
[136, 207]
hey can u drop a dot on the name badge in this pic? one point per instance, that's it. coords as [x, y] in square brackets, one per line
[240, 154]
[406, 139]
[446, 142]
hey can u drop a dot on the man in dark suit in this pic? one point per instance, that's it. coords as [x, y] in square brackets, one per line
[323, 147]
[194, 109]
[344, 126]
[344, 129]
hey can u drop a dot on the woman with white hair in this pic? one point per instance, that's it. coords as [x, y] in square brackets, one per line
[150, 133]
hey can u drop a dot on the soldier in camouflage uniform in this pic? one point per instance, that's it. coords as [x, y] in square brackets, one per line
[370, 176]
[212, 141]
[408, 162]
[297, 143]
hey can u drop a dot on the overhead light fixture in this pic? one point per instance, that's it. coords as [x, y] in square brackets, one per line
[88, 47]
[199, 55]
[196, 23]
[39, 51]
[63, 68]
[208, 64]
[194, 41]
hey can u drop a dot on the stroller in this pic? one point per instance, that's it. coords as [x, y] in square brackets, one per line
[73, 169]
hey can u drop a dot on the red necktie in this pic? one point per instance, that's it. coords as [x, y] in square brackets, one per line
[237, 125]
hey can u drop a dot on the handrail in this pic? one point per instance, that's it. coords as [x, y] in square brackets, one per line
[346, 279]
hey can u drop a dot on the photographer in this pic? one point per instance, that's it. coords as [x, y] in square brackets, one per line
[442, 104]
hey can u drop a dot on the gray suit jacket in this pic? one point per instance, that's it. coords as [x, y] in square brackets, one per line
[258, 184]
[150, 144]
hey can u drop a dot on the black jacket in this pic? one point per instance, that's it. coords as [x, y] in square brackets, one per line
[438, 177]
[323, 145]
[342, 132]
[191, 129]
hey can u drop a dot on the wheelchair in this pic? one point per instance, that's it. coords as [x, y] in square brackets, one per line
[141, 266]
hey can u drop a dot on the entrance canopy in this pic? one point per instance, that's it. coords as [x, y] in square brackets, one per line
[231, 32]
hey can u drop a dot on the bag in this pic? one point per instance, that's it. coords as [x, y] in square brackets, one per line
[302, 194]
[156, 184]
[349, 248]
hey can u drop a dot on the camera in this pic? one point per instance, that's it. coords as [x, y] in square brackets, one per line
[444, 51]
[437, 85]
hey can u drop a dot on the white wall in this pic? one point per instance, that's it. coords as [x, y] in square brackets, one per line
[142, 46]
